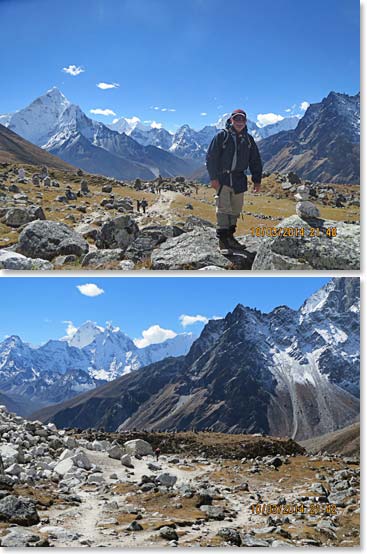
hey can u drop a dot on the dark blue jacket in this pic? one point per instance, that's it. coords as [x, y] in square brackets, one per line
[220, 155]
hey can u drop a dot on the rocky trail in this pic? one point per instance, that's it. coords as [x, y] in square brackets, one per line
[75, 489]
[93, 224]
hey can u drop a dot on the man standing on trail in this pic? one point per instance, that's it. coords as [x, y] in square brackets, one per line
[157, 453]
[229, 155]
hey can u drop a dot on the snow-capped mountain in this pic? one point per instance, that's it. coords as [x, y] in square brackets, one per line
[86, 334]
[285, 373]
[128, 124]
[63, 368]
[55, 124]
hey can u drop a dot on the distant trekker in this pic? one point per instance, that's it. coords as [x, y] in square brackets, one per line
[157, 453]
[138, 205]
[229, 155]
[144, 204]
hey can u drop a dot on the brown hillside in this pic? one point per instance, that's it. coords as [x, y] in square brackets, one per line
[14, 148]
[345, 442]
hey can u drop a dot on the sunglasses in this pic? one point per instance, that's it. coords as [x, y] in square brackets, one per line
[239, 118]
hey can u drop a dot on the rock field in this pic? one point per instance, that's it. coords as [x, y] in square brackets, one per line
[74, 489]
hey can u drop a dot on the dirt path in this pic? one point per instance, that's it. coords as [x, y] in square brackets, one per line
[162, 207]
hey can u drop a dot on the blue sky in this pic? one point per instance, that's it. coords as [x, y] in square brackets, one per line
[192, 57]
[37, 309]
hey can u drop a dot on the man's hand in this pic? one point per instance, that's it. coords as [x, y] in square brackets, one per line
[215, 184]
[256, 187]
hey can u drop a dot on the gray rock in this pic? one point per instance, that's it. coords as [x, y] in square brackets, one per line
[193, 250]
[99, 259]
[307, 210]
[18, 262]
[166, 479]
[311, 252]
[138, 446]
[153, 467]
[194, 222]
[213, 512]
[16, 217]
[126, 265]
[6, 483]
[126, 461]
[62, 260]
[11, 454]
[96, 479]
[169, 231]
[230, 535]
[17, 537]
[134, 526]
[144, 244]
[248, 540]
[80, 459]
[59, 533]
[115, 452]
[18, 510]
[168, 533]
[117, 233]
[107, 188]
[48, 239]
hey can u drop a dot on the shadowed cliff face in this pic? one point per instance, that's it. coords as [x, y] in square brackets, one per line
[325, 144]
[286, 373]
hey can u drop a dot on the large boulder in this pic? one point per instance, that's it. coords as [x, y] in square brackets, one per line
[13, 260]
[166, 479]
[338, 248]
[138, 446]
[117, 233]
[193, 250]
[16, 217]
[11, 454]
[18, 537]
[18, 510]
[48, 239]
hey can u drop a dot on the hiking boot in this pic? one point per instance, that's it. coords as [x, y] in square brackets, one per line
[234, 244]
[224, 246]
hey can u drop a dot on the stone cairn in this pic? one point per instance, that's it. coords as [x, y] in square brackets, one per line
[304, 208]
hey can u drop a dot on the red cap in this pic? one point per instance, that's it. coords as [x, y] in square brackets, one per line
[239, 112]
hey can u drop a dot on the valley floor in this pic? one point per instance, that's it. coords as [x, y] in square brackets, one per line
[102, 514]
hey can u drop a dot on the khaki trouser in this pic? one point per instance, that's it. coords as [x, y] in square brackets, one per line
[228, 207]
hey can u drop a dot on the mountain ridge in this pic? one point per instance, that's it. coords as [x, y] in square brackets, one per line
[245, 373]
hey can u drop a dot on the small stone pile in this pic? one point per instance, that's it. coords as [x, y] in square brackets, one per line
[304, 208]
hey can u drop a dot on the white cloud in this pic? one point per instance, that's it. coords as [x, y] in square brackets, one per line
[158, 108]
[73, 70]
[99, 111]
[268, 118]
[90, 289]
[304, 105]
[203, 113]
[191, 319]
[70, 330]
[106, 86]
[155, 125]
[288, 110]
[154, 335]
